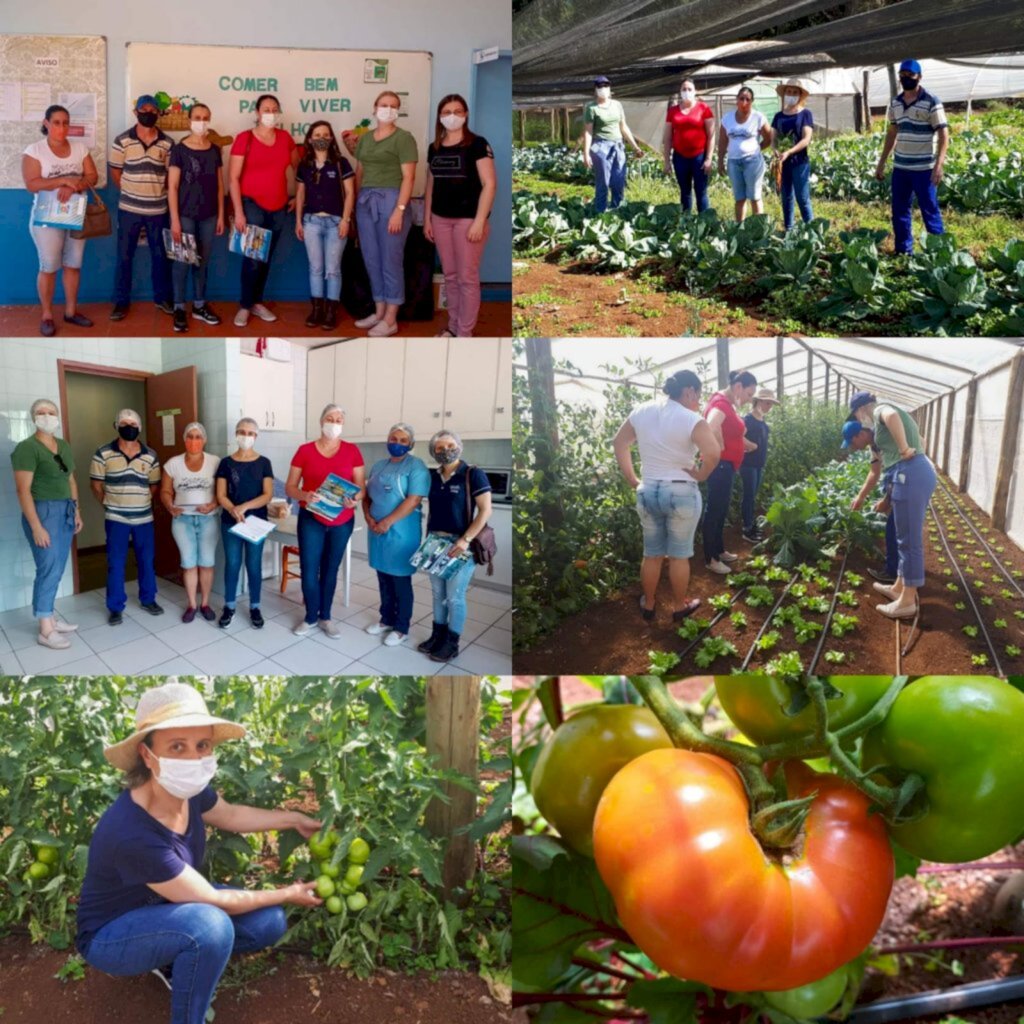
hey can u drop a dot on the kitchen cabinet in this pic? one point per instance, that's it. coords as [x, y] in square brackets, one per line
[268, 392]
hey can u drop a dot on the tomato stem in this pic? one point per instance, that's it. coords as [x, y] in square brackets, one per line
[550, 694]
[779, 824]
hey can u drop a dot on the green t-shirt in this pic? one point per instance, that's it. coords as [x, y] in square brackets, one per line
[884, 440]
[382, 161]
[49, 481]
[607, 120]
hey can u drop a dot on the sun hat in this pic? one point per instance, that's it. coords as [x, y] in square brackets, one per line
[793, 83]
[859, 398]
[171, 706]
[851, 428]
[766, 395]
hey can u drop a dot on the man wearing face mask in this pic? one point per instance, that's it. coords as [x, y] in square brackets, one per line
[604, 126]
[915, 118]
[138, 164]
[144, 905]
[124, 476]
[48, 494]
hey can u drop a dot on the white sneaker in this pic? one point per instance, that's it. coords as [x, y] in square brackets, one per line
[263, 313]
[889, 591]
[241, 317]
[329, 628]
[159, 972]
[54, 640]
[64, 627]
[377, 628]
[368, 321]
[394, 638]
[720, 567]
[303, 628]
[727, 556]
[382, 329]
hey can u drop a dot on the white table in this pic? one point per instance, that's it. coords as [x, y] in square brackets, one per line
[287, 533]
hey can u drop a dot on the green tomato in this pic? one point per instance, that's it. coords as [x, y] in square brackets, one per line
[330, 870]
[813, 1000]
[320, 846]
[356, 901]
[39, 870]
[965, 736]
[47, 855]
[333, 904]
[579, 760]
[359, 851]
[345, 889]
[324, 887]
[354, 875]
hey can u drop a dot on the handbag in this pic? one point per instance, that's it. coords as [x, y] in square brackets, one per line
[97, 219]
[483, 546]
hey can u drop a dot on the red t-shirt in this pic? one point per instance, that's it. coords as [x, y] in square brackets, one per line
[264, 176]
[315, 468]
[689, 136]
[733, 428]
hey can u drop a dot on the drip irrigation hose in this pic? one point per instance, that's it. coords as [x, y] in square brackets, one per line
[711, 625]
[828, 618]
[978, 993]
[967, 590]
[764, 625]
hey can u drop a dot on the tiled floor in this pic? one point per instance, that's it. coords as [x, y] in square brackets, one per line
[164, 645]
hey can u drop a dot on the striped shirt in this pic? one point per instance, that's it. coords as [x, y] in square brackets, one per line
[143, 171]
[916, 124]
[126, 482]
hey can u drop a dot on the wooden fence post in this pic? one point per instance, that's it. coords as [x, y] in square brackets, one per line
[779, 375]
[810, 373]
[722, 354]
[522, 127]
[827, 375]
[965, 452]
[949, 432]
[453, 737]
[1009, 449]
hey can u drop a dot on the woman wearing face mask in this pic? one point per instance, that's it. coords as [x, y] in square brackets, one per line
[730, 433]
[755, 460]
[322, 541]
[460, 193]
[394, 490]
[792, 129]
[263, 162]
[48, 495]
[187, 492]
[324, 201]
[745, 132]
[689, 143]
[448, 515]
[245, 485]
[65, 166]
[669, 436]
[908, 476]
[604, 127]
[144, 905]
[384, 178]
[195, 194]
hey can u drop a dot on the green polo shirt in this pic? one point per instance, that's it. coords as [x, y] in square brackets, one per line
[884, 440]
[382, 161]
[49, 481]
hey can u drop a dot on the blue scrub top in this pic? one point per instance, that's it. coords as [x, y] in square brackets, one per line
[388, 485]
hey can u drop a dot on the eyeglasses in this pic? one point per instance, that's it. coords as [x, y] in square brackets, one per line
[60, 462]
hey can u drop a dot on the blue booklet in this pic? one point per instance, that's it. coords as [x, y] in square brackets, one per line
[434, 557]
[254, 242]
[329, 495]
[50, 212]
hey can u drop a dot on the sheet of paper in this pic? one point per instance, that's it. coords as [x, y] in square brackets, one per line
[35, 98]
[10, 101]
[85, 132]
[81, 105]
[168, 425]
[253, 529]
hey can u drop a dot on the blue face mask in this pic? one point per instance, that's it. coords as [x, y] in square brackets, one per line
[398, 449]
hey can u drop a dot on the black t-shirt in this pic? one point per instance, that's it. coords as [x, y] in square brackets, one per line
[323, 186]
[757, 431]
[197, 191]
[446, 509]
[457, 185]
[245, 482]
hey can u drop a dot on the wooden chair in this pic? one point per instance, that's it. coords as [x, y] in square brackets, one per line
[287, 551]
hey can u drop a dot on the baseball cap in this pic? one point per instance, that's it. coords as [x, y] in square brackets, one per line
[144, 99]
[601, 80]
[860, 398]
[912, 66]
[851, 428]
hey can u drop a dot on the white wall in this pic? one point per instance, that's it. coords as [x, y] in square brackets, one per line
[986, 443]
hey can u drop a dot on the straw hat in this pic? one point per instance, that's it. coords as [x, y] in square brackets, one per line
[767, 396]
[171, 706]
[793, 83]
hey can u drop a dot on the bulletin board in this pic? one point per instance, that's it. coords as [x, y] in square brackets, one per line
[37, 71]
[332, 85]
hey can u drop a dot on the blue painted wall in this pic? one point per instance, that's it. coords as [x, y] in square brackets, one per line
[450, 31]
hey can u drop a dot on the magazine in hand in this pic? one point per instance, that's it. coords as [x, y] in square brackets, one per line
[184, 251]
[328, 504]
[434, 557]
[50, 212]
[254, 242]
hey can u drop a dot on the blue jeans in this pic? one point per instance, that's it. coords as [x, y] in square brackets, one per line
[383, 253]
[609, 159]
[450, 598]
[395, 601]
[58, 519]
[796, 181]
[196, 939]
[906, 185]
[716, 509]
[892, 553]
[751, 477]
[669, 511]
[323, 250]
[204, 231]
[746, 176]
[119, 536]
[256, 272]
[129, 227]
[690, 174]
[321, 549]
[912, 484]
[235, 551]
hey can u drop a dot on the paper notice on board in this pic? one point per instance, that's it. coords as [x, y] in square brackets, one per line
[35, 98]
[84, 132]
[168, 422]
[10, 101]
[81, 106]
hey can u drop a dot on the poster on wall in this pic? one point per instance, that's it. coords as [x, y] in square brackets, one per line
[37, 71]
[331, 85]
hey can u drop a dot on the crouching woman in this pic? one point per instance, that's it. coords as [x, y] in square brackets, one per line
[144, 904]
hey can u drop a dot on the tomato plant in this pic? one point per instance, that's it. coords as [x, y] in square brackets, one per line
[814, 999]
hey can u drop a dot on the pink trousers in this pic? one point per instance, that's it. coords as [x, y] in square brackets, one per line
[460, 261]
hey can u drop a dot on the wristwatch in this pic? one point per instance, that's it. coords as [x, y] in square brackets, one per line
[401, 206]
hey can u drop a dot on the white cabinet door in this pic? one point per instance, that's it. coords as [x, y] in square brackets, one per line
[503, 399]
[384, 378]
[423, 387]
[319, 386]
[471, 386]
[267, 392]
[280, 382]
[349, 386]
[255, 399]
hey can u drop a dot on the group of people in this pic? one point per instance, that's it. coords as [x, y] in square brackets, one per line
[206, 496]
[181, 187]
[916, 119]
[682, 445]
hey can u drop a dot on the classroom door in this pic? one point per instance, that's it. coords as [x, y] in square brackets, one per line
[490, 117]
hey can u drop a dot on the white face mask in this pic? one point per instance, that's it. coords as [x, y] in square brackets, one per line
[268, 120]
[386, 115]
[47, 423]
[199, 127]
[186, 778]
[245, 441]
[791, 101]
[332, 431]
[453, 122]
[603, 93]
[688, 94]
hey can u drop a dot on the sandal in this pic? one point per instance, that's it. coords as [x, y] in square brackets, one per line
[647, 613]
[686, 611]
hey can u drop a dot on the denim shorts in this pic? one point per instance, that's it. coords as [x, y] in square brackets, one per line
[56, 248]
[746, 175]
[669, 511]
[196, 537]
